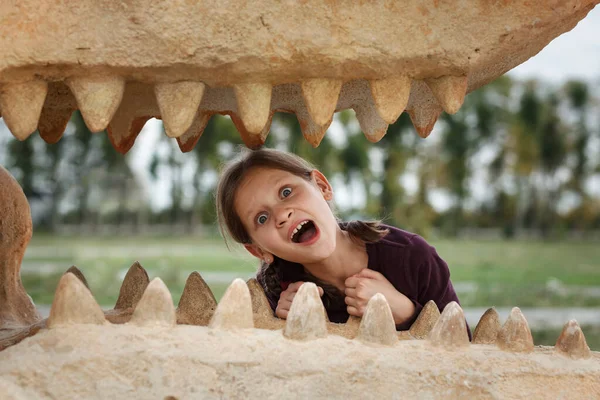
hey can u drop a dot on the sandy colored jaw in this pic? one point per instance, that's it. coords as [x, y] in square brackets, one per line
[16, 308]
[231, 359]
[186, 61]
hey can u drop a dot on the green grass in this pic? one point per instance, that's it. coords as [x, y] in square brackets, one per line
[512, 262]
[506, 273]
[104, 261]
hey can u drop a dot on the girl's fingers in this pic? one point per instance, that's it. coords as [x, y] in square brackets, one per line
[351, 301]
[353, 311]
[284, 304]
[350, 292]
[351, 282]
[282, 313]
[288, 296]
[293, 287]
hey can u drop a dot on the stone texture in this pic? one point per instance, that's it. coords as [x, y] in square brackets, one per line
[155, 307]
[178, 103]
[306, 319]
[263, 315]
[487, 328]
[75, 271]
[74, 304]
[450, 331]
[390, 97]
[234, 311]
[515, 334]
[449, 91]
[197, 303]
[198, 362]
[16, 308]
[571, 341]
[254, 106]
[98, 97]
[377, 325]
[426, 320]
[134, 284]
[21, 104]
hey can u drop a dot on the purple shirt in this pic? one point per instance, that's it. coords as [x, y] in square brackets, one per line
[411, 265]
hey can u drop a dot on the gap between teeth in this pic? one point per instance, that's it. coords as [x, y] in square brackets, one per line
[300, 225]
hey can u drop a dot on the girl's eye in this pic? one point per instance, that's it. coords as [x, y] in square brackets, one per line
[261, 219]
[286, 191]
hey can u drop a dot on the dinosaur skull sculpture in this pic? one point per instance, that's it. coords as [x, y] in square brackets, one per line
[123, 62]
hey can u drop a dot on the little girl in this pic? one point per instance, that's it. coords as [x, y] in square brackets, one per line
[277, 205]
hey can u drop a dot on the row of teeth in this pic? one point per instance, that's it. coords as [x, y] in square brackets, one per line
[297, 229]
[109, 102]
[73, 303]
[244, 306]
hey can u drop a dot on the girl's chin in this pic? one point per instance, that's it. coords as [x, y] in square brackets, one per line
[313, 256]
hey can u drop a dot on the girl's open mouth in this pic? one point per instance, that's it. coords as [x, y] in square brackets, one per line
[305, 232]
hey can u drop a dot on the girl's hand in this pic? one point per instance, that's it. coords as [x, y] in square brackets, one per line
[364, 285]
[285, 299]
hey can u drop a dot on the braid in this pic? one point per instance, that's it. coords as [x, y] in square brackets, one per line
[269, 277]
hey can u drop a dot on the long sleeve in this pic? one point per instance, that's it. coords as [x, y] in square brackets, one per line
[430, 275]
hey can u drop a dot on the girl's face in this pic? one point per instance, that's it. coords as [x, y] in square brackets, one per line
[286, 215]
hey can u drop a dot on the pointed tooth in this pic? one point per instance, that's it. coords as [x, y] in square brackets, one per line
[74, 304]
[426, 320]
[488, 327]
[373, 126]
[21, 105]
[571, 341]
[264, 317]
[75, 271]
[306, 319]
[449, 91]
[321, 97]
[253, 141]
[197, 304]
[98, 98]
[391, 96]
[254, 105]
[123, 132]
[188, 140]
[450, 331]
[260, 305]
[312, 132]
[423, 108]
[178, 103]
[133, 287]
[424, 120]
[234, 311]
[155, 307]
[377, 325]
[515, 334]
[53, 123]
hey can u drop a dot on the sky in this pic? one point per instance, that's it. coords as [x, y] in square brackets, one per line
[573, 55]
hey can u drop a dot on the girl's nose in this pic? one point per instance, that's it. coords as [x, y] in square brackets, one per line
[284, 216]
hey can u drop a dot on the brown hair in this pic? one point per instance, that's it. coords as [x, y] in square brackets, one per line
[231, 224]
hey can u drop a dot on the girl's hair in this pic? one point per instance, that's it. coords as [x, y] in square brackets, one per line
[231, 225]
